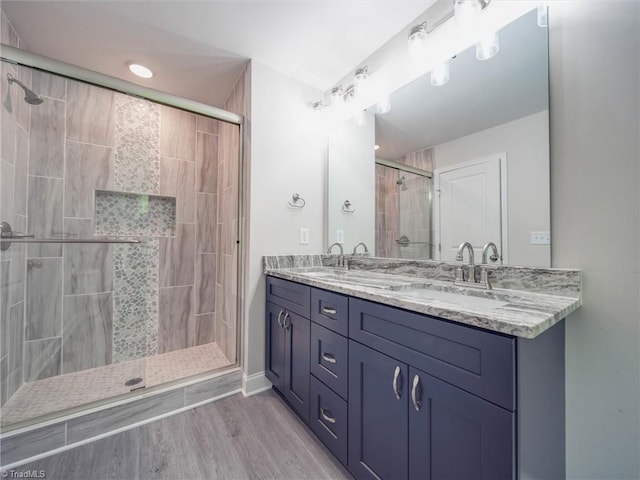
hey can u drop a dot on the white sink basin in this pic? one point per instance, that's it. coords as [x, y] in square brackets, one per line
[451, 298]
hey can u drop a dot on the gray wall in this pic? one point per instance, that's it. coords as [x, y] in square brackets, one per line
[594, 185]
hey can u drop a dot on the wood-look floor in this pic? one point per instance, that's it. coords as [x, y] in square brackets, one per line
[234, 438]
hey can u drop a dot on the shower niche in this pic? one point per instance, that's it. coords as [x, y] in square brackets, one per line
[129, 281]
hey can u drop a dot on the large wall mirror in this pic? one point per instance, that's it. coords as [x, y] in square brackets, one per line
[464, 161]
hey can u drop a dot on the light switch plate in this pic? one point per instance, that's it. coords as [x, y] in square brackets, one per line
[304, 236]
[540, 238]
[340, 236]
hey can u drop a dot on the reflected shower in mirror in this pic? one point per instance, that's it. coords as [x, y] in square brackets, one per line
[464, 161]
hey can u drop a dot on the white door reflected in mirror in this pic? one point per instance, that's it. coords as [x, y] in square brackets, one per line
[468, 207]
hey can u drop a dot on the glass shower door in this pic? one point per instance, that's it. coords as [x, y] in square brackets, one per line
[63, 272]
[414, 216]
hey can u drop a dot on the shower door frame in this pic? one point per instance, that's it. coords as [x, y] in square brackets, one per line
[31, 60]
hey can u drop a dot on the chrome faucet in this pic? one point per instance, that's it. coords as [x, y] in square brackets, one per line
[341, 259]
[364, 245]
[471, 274]
[485, 250]
[484, 275]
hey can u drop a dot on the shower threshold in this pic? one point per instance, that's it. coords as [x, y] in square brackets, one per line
[62, 392]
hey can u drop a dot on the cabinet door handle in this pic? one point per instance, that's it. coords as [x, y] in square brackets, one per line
[396, 381]
[287, 326]
[329, 358]
[329, 310]
[326, 417]
[414, 393]
[280, 319]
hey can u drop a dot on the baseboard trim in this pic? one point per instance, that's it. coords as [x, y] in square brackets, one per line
[254, 384]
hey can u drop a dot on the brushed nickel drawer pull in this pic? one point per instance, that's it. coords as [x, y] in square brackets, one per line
[326, 417]
[329, 310]
[414, 393]
[280, 318]
[396, 378]
[329, 358]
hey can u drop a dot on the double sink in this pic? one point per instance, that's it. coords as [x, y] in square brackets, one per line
[412, 288]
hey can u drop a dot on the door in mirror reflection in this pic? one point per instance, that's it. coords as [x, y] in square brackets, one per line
[468, 205]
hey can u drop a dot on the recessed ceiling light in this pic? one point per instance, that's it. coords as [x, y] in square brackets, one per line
[140, 70]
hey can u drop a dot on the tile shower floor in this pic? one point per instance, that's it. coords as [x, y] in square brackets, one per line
[73, 389]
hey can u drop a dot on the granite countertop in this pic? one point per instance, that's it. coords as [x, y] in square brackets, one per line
[514, 312]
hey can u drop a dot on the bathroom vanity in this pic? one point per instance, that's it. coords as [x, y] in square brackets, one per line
[406, 376]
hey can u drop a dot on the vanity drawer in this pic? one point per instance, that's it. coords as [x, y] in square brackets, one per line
[330, 310]
[329, 419]
[292, 296]
[475, 360]
[330, 358]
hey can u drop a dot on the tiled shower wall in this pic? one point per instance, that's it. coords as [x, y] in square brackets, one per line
[403, 211]
[228, 187]
[92, 305]
[14, 141]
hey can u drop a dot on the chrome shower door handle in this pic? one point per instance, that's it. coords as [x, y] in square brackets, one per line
[414, 393]
[396, 381]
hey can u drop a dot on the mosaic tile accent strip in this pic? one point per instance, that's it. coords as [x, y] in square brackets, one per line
[120, 213]
[135, 322]
[137, 140]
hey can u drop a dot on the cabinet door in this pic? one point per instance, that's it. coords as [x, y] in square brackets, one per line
[275, 345]
[378, 431]
[456, 435]
[297, 355]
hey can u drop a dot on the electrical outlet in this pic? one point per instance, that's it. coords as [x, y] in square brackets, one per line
[540, 238]
[304, 236]
[340, 236]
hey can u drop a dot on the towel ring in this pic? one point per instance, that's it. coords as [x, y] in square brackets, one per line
[296, 199]
[346, 207]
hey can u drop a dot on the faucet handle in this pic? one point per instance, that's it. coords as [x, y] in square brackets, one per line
[484, 279]
[459, 275]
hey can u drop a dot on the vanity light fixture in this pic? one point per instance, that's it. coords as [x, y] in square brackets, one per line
[466, 11]
[418, 42]
[440, 74]
[360, 79]
[383, 105]
[543, 19]
[140, 70]
[488, 46]
[337, 95]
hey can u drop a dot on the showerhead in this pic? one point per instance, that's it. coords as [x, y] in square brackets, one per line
[402, 182]
[30, 96]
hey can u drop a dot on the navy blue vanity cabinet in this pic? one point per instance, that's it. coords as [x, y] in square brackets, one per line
[396, 394]
[378, 413]
[275, 345]
[329, 370]
[331, 310]
[288, 335]
[454, 434]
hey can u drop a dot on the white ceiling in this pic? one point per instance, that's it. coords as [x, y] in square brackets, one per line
[198, 49]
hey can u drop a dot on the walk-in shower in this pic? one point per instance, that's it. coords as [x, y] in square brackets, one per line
[119, 260]
[403, 208]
